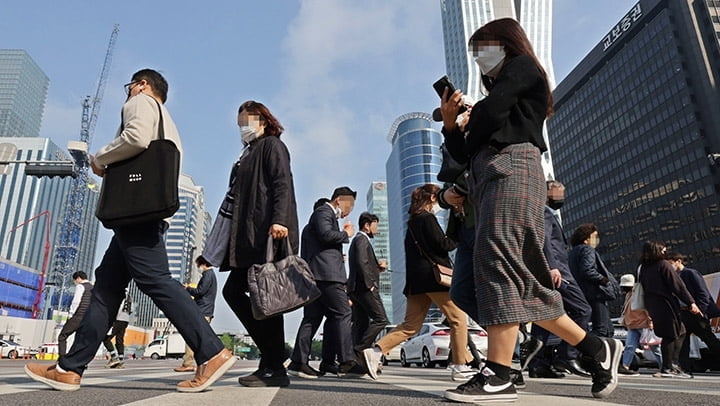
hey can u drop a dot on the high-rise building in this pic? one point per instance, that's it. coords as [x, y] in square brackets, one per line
[414, 161]
[184, 241]
[634, 124]
[23, 90]
[377, 204]
[461, 18]
[23, 197]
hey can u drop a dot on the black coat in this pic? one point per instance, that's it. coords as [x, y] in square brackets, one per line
[695, 284]
[322, 245]
[205, 293]
[663, 287]
[364, 270]
[419, 275]
[589, 271]
[556, 247]
[264, 195]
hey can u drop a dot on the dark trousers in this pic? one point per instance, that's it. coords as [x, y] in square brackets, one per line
[268, 334]
[700, 326]
[368, 318]
[138, 252]
[333, 305]
[118, 331]
[69, 328]
[462, 291]
[601, 324]
[670, 348]
[577, 308]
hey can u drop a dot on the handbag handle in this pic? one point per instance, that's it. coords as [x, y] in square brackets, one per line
[270, 249]
[161, 125]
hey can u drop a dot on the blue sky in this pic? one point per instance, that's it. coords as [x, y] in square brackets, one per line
[336, 73]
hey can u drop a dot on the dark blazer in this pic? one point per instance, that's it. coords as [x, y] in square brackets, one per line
[512, 113]
[663, 287]
[264, 195]
[324, 242]
[556, 246]
[695, 284]
[419, 275]
[205, 293]
[589, 270]
[364, 269]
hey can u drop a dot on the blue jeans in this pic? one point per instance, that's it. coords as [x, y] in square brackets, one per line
[632, 341]
[138, 252]
[462, 290]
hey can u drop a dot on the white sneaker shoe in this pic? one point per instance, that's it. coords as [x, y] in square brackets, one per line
[461, 373]
[372, 360]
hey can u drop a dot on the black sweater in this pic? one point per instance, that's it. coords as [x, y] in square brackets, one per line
[512, 113]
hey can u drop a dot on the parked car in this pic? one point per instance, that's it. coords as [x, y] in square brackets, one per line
[394, 354]
[431, 345]
[11, 349]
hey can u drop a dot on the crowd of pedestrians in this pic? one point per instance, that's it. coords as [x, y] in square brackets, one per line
[513, 263]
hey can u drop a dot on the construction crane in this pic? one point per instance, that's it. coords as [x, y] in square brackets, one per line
[71, 229]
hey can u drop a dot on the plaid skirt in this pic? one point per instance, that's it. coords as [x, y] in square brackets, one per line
[512, 276]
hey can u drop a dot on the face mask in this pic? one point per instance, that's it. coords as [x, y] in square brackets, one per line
[555, 204]
[489, 58]
[594, 242]
[248, 133]
[338, 212]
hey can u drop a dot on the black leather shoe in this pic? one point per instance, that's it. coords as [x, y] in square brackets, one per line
[329, 368]
[571, 366]
[265, 377]
[545, 372]
[351, 369]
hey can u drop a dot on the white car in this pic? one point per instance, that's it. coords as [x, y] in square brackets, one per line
[11, 349]
[431, 345]
[394, 354]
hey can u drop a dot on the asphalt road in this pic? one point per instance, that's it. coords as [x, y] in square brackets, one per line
[148, 382]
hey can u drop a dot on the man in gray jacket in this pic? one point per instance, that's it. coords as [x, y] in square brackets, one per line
[137, 252]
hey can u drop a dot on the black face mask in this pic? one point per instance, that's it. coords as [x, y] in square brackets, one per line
[555, 204]
[370, 234]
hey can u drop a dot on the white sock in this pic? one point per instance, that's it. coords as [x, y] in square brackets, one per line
[60, 369]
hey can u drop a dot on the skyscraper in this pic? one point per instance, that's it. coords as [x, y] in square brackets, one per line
[23, 90]
[414, 161]
[461, 18]
[634, 124]
[184, 240]
[377, 203]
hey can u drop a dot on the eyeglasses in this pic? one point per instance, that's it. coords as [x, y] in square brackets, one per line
[128, 86]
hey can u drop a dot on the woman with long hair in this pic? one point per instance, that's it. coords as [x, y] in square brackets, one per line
[260, 201]
[426, 244]
[663, 290]
[501, 139]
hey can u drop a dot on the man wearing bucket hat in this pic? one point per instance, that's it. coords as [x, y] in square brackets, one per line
[635, 321]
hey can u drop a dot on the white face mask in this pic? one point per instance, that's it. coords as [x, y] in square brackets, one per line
[248, 133]
[489, 57]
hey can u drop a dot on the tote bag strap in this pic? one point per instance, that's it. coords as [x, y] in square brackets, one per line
[422, 251]
[270, 249]
[161, 125]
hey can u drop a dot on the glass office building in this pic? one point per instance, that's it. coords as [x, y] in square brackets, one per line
[23, 90]
[635, 122]
[414, 161]
[377, 204]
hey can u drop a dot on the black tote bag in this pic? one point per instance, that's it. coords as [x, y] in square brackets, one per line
[142, 188]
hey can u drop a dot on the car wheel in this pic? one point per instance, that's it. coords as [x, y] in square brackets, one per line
[155, 355]
[12, 354]
[403, 360]
[426, 361]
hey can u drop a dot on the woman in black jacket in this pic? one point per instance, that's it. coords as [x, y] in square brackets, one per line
[425, 244]
[663, 290]
[260, 201]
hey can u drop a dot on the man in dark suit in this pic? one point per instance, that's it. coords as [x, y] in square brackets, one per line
[574, 302]
[322, 250]
[368, 313]
[698, 324]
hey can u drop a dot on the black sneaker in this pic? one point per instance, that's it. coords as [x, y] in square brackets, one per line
[623, 370]
[483, 388]
[351, 369]
[605, 371]
[265, 377]
[516, 377]
[303, 371]
[528, 349]
[329, 368]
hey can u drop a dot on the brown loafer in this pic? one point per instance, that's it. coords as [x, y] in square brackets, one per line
[49, 375]
[208, 373]
[188, 368]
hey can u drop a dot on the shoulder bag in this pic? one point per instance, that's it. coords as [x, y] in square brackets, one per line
[142, 188]
[443, 274]
[637, 300]
[281, 286]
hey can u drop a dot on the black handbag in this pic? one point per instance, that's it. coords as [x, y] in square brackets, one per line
[142, 188]
[281, 286]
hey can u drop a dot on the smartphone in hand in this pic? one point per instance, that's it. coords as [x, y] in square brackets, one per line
[441, 84]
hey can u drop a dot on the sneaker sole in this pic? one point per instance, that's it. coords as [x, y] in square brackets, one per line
[614, 364]
[279, 383]
[67, 387]
[300, 374]
[368, 358]
[499, 398]
[214, 377]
